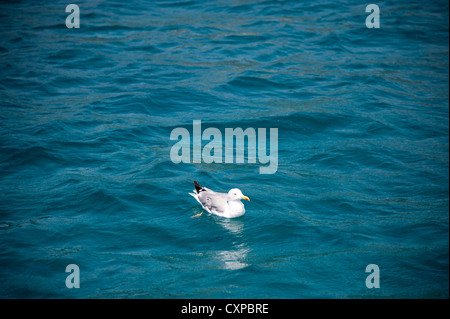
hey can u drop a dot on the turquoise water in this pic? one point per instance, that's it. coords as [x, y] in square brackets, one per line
[86, 176]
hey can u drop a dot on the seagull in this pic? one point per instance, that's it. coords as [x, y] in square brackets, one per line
[220, 204]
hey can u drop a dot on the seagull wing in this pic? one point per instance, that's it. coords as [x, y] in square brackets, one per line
[213, 202]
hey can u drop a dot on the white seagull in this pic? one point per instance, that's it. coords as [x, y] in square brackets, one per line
[220, 204]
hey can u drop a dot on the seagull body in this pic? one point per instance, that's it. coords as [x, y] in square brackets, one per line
[220, 204]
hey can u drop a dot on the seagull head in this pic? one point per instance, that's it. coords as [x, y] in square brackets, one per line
[236, 194]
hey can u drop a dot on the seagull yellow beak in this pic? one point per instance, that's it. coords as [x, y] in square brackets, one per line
[246, 198]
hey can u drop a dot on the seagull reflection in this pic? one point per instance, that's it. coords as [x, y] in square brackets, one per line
[235, 258]
[234, 226]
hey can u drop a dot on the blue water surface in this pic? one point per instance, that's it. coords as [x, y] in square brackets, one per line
[86, 176]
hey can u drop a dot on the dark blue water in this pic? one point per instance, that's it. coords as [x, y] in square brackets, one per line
[86, 176]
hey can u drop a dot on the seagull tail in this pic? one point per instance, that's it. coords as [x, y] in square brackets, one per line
[197, 191]
[196, 197]
[193, 195]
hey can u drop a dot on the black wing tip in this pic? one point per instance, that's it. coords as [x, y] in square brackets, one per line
[198, 188]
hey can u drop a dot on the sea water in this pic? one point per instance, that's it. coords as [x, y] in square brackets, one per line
[86, 176]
